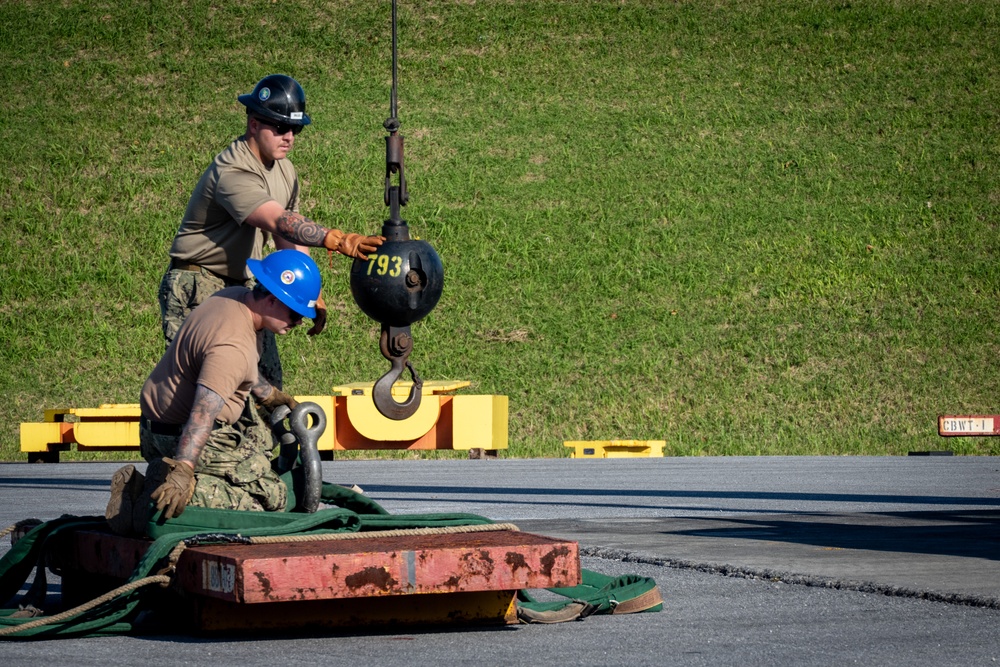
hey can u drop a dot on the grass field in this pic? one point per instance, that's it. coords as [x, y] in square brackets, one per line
[743, 227]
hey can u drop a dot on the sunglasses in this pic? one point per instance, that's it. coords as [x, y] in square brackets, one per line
[279, 128]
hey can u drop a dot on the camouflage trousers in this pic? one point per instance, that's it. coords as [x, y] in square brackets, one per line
[233, 471]
[181, 291]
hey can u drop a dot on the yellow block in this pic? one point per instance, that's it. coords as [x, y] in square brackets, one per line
[37, 437]
[615, 449]
[116, 435]
[372, 424]
[401, 389]
[479, 422]
[124, 411]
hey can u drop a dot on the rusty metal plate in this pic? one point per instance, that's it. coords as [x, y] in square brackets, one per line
[450, 579]
[384, 566]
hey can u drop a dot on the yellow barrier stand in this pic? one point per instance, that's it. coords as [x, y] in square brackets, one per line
[443, 421]
[614, 449]
[109, 427]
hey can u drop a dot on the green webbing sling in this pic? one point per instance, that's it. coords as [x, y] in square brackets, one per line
[596, 594]
[352, 512]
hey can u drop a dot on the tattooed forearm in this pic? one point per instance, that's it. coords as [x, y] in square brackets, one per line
[206, 408]
[301, 230]
[262, 389]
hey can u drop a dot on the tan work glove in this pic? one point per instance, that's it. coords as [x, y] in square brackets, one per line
[276, 398]
[352, 245]
[319, 322]
[174, 494]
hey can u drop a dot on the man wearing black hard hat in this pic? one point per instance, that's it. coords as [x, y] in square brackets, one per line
[249, 193]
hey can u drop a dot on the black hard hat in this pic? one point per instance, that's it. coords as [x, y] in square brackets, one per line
[277, 97]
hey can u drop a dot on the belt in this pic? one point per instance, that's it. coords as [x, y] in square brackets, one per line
[159, 428]
[181, 265]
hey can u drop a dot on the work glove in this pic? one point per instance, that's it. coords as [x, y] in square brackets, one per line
[319, 322]
[174, 494]
[276, 398]
[352, 245]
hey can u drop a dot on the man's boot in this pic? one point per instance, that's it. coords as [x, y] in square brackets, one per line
[126, 487]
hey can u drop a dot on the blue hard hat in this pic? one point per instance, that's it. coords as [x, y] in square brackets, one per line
[292, 276]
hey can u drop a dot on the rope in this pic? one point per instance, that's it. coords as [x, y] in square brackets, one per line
[171, 566]
[58, 618]
[175, 554]
[445, 530]
[20, 525]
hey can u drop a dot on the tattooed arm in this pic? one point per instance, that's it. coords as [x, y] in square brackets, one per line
[300, 230]
[289, 229]
[293, 230]
[261, 389]
[205, 410]
[270, 397]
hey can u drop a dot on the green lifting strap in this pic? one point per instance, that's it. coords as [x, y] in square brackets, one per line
[598, 594]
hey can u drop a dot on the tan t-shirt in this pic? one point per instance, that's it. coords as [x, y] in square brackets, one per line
[217, 347]
[212, 234]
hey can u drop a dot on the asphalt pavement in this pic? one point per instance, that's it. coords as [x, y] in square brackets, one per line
[761, 561]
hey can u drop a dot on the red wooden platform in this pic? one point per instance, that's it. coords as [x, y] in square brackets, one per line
[464, 578]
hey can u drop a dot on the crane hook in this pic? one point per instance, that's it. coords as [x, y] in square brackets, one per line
[396, 344]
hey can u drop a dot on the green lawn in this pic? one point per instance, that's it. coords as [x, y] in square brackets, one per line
[743, 227]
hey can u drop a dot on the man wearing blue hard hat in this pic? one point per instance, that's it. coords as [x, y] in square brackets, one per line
[190, 431]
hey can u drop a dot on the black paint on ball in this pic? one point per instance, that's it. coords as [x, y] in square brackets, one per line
[400, 283]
